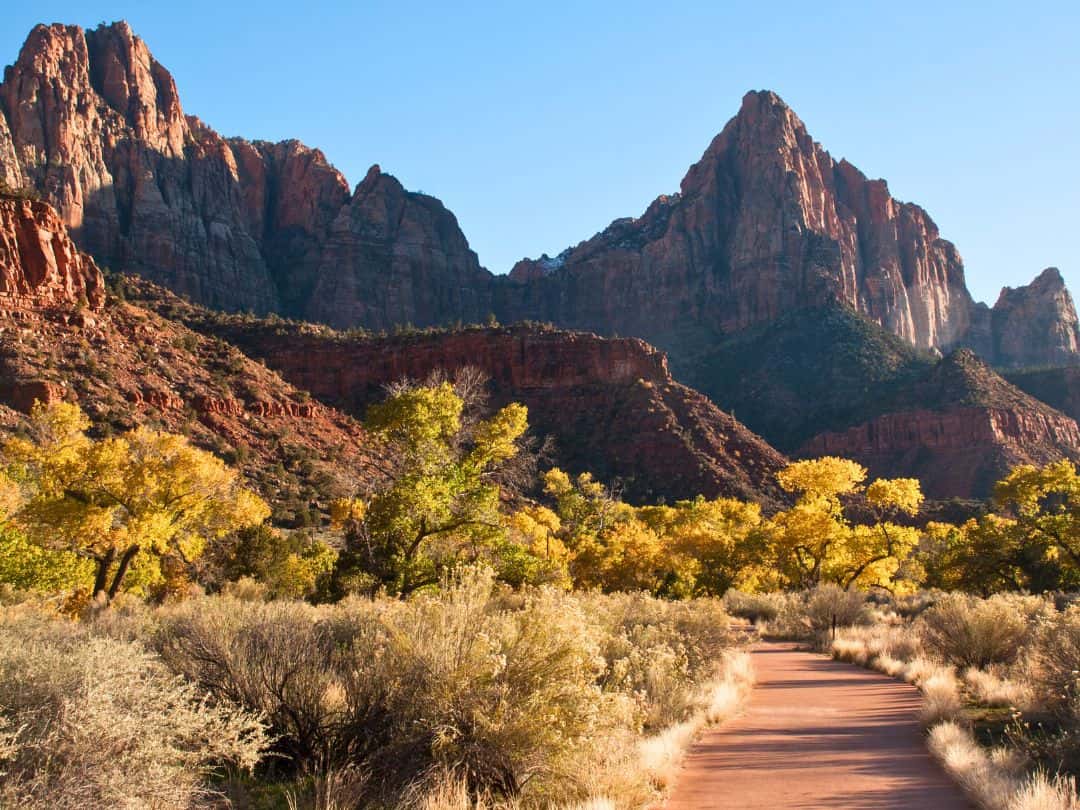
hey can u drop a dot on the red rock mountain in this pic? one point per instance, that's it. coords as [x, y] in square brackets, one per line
[93, 123]
[62, 337]
[959, 429]
[767, 222]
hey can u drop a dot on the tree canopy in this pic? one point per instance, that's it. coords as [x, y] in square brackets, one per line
[142, 500]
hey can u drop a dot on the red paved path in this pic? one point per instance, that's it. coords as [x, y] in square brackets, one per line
[817, 734]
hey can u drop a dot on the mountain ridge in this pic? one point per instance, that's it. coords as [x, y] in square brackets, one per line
[765, 222]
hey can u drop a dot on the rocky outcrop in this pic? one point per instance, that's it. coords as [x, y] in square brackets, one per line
[610, 405]
[765, 223]
[1035, 325]
[395, 257]
[40, 267]
[98, 130]
[959, 429]
[62, 338]
[93, 123]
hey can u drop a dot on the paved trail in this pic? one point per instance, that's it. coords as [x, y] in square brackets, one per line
[817, 734]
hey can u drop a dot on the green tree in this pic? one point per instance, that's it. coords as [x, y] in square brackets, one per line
[290, 564]
[441, 505]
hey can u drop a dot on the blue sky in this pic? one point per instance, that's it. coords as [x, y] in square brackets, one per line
[539, 123]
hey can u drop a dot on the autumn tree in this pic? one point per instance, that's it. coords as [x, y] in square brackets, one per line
[815, 542]
[441, 505]
[1043, 504]
[609, 547]
[146, 497]
[712, 545]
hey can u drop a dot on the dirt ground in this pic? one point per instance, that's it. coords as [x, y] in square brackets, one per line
[817, 733]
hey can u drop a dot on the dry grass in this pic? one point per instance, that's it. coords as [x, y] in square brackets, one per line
[941, 699]
[896, 651]
[991, 689]
[662, 754]
[1042, 792]
[992, 780]
[971, 766]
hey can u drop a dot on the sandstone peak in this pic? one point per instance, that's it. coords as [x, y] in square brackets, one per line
[1035, 324]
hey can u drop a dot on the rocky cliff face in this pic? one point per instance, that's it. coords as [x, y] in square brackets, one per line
[93, 123]
[1035, 325]
[63, 338]
[40, 267]
[610, 404]
[765, 223]
[959, 429]
[395, 257]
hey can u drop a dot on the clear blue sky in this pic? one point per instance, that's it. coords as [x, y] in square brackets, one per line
[539, 123]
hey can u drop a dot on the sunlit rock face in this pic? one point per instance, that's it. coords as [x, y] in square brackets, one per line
[766, 222]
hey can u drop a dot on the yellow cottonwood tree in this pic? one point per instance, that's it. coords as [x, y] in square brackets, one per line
[714, 545]
[814, 542]
[110, 500]
[1045, 503]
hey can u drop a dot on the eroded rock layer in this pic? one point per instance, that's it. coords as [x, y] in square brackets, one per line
[959, 429]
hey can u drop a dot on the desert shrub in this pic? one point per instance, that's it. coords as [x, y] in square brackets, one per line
[754, 607]
[507, 700]
[526, 695]
[274, 658]
[972, 632]
[1053, 666]
[812, 614]
[91, 721]
[659, 651]
[991, 688]
[914, 604]
[829, 605]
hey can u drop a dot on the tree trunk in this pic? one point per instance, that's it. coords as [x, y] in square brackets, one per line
[102, 574]
[121, 569]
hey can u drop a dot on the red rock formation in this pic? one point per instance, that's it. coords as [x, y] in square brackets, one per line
[765, 223]
[62, 339]
[394, 257]
[959, 430]
[1035, 325]
[40, 267]
[610, 404]
[95, 124]
[961, 452]
[98, 130]
[22, 395]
